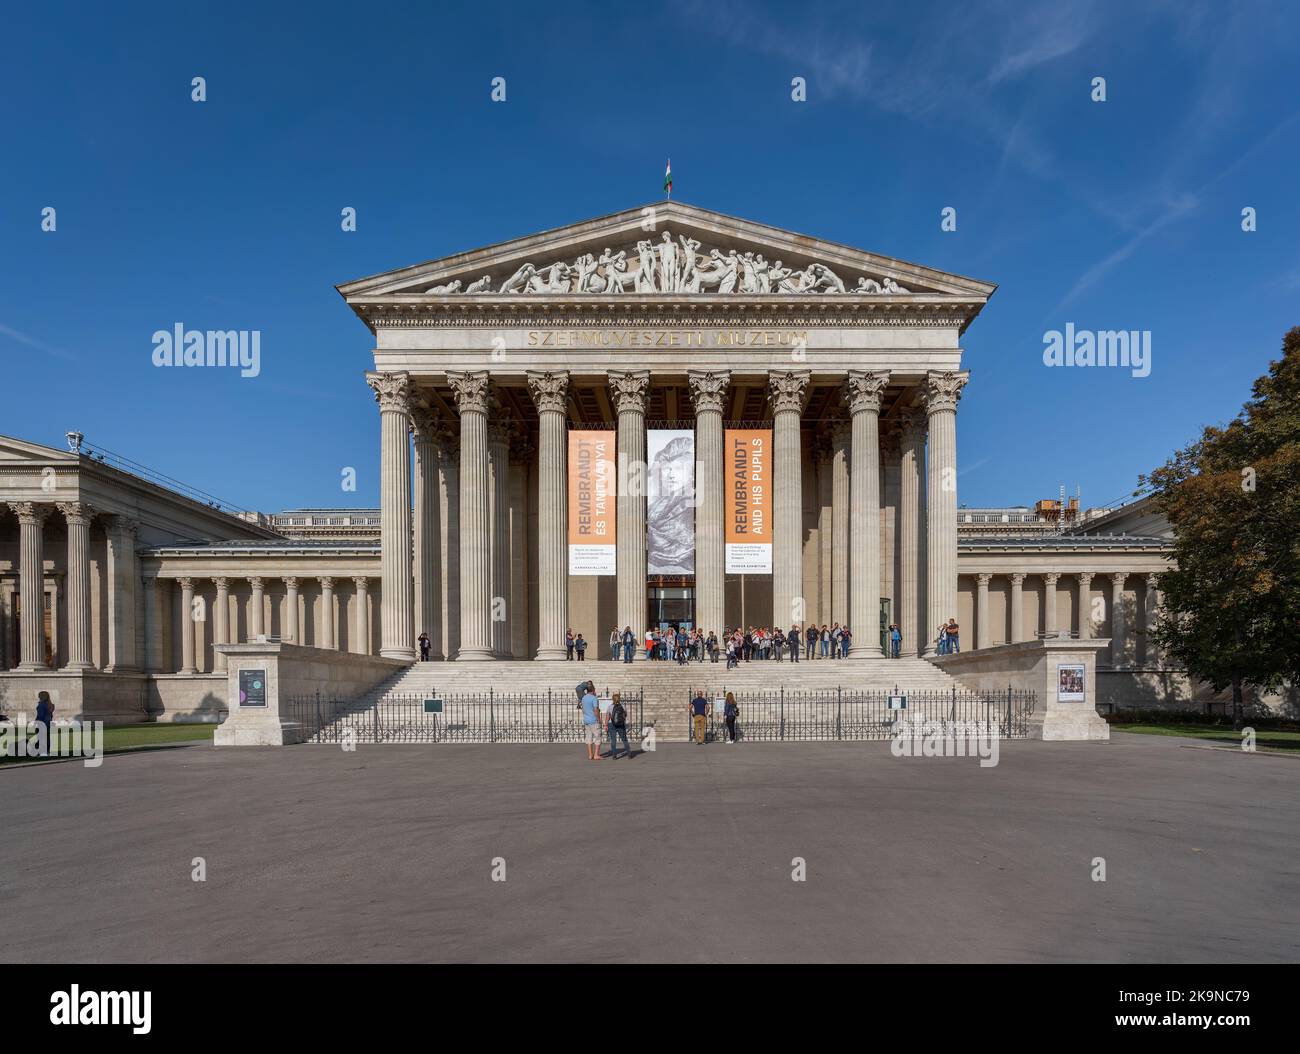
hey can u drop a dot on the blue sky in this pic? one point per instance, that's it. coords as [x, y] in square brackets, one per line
[1117, 215]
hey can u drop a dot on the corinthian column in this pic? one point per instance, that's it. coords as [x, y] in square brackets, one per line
[428, 548]
[449, 543]
[1085, 605]
[1049, 604]
[1151, 605]
[121, 594]
[942, 390]
[629, 392]
[550, 395]
[256, 614]
[1017, 608]
[471, 392]
[787, 392]
[291, 610]
[188, 626]
[983, 636]
[393, 392]
[31, 582]
[911, 496]
[325, 631]
[862, 394]
[1118, 631]
[78, 515]
[840, 435]
[361, 625]
[708, 390]
[500, 433]
[221, 622]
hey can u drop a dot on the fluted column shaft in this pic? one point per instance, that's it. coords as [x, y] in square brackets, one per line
[221, 622]
[840, 438]
[1017, 608]
[1118, 629]
[471, 392]
[361, 624]
[1049, 604]
[863, 393]
[629, 393]
[1085, 605]
[449, 543]
[291, 611]
[708, 390]
[121, 594]
[520, 535]
[325, 630]
[498, 447]
[188, 626]
[31, 583]
[550, 395]
[153, 625]
[393, 393]
[911, 495]
[787, 391]
[256, 619]
[983, 637]
[428, 569]
[942, 391]
[1152, 614]
[78, 516]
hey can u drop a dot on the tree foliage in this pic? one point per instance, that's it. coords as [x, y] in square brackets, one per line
[1232, 603]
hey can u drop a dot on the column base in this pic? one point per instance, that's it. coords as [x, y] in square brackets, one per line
[401, 654]
[550, 655]
[122, 668]
[866, 653]
[78, 667]
[33, 667]
[475, 655]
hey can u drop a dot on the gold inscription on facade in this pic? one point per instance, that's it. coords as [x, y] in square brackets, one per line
[667, 338]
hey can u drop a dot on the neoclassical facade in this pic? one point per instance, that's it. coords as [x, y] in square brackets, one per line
[485, 365]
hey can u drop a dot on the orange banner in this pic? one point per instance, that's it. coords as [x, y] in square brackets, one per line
[749, 500]
[593, 471]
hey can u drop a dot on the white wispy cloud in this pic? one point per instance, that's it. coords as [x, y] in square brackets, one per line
[39, 345]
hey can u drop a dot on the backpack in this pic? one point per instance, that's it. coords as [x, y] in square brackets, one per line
[618, 715]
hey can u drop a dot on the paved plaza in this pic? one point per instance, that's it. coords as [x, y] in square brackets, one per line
[314, 854]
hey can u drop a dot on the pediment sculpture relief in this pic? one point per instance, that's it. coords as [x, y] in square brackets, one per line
[673, 266]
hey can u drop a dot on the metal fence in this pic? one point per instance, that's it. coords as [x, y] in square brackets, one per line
[487, 717]
[849, 714]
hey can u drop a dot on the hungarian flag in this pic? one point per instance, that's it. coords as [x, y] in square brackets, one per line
[668, 178]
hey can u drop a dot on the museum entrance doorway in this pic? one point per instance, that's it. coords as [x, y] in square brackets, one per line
[671, 601]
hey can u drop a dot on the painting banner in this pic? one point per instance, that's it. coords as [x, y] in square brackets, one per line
[670, 501]
[593, 469]
[748, 502]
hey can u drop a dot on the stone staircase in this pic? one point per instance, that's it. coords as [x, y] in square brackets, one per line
[667, 687]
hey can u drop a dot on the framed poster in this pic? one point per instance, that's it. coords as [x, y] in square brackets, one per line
[252, 687]
[1070, 681]
[748, 535]
[592, 502]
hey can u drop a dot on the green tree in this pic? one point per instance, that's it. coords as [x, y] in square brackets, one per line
[1232, 604]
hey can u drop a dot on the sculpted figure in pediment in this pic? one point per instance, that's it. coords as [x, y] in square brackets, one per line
[483, 285]
[518, 282]
[450, 287]
[645, 274]
[689, 280]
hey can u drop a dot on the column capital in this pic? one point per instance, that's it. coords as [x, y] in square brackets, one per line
[31, 513]
[424, 422]
[943, 390]
[1018, 578]
[787, 390]
[185, 582]
[522, 448]
[326, 581]
[290, 582]
[629, 389]
[1051, 577]
[392, 391]
[120, 525]
[1153, 580]
[78, 513]
[708, 389]
[864, 390]
[1084, 577]
[471, 391]
[222, 583]
[891, 441]
[255, 581]
[983, 579]
[361, 582]
[912, 420]
[549, 390]
[1118, 578]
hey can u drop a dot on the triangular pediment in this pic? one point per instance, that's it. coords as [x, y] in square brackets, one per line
[668, 249]
[20, 450]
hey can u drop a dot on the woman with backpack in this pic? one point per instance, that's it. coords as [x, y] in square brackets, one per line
[730, 712]
[618, 726]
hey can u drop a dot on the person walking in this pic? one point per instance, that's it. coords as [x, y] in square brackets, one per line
[592, 731]
[730, 711]
[699, 711]
[712, 645]
[683, 652]
[568, 645]
[629, 643]
[895, 640]
[581, 647]
[423, 641]
[618, 726]
[44, 723]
